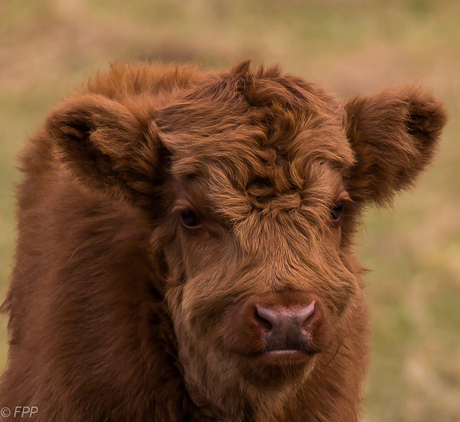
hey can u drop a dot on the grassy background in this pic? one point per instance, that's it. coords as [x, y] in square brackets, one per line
[47, 48]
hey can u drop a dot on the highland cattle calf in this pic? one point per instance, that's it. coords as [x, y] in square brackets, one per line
[185, 246]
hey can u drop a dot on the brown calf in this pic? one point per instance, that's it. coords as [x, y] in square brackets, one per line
[185, 246]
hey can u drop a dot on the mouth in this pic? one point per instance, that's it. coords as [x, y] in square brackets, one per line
[285, 352]
[275, 368]
[283, 357]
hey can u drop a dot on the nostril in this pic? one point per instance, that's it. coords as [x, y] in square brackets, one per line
[304, 314]
[265, 318]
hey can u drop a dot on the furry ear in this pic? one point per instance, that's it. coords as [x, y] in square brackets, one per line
[106, 146]
[393, 135]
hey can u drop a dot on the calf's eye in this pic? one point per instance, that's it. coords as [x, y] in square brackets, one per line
[189, 219]
[337, 211]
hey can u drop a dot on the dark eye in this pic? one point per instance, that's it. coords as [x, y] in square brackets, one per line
[189, 219]
[337, 211]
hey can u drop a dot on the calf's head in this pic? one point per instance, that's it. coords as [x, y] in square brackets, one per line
[253, 183]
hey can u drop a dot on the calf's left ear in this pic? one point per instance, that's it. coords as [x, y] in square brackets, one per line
[393, 135]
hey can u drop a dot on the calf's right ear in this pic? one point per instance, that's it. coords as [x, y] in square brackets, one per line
[105, 146]
[393, 135]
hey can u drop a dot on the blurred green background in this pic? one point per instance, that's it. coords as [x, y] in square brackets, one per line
[48, 48]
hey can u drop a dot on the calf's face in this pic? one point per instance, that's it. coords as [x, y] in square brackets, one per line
[254, 235]
[253, 184]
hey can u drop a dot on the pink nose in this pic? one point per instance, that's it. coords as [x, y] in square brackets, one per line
[284, 328]
[277, 323]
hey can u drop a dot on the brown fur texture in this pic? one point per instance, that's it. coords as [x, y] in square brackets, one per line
[120, 312]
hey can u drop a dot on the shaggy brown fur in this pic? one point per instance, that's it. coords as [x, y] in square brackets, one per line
[173, 221]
